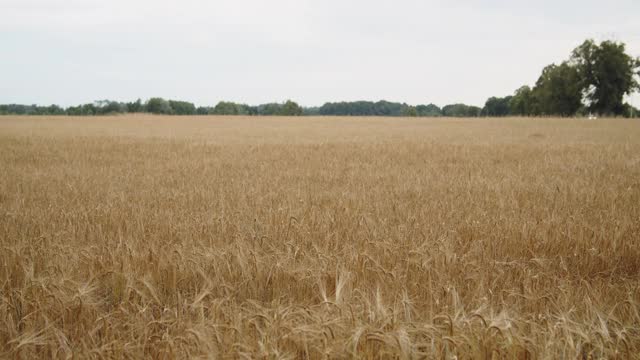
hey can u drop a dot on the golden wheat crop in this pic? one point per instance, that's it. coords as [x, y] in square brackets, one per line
[183, 237]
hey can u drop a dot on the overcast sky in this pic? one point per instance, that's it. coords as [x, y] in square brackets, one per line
[78, 51]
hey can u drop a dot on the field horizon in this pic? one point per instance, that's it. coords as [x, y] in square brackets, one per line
[319, 237]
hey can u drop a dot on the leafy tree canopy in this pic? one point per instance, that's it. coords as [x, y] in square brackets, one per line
[606, 74]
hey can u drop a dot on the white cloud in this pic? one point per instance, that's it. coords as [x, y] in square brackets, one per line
[312, 51]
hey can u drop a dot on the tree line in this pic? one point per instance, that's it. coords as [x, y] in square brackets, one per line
[386, 108]
[594, 80]
[289, 108]
[155, 105]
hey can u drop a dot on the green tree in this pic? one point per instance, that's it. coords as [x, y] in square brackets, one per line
[270, 109]
[428, 110]
[379, 108]
[461, 110]
[204, 110]
[182, 107]
[158, 106]
[496, 106]
[225, 108]
[88, 109]
[558, 91]
[135, 107]
[54, 110]
[521, 102]
[409, 111]
[231, 108]
[290, 108]
[311, 111]
[106, 107]
[607, 73]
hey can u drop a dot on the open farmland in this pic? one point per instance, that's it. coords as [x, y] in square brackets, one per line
[166, 237]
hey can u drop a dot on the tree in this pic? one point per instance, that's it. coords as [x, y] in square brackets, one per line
[225, 108]
[135, 107]
[54, 110]
[88, 109]
[311, 111]
[409, 111]
[158, 106]
[379, 108]
[521, 102]
[496, 106]
[182, 107]
[607, 73]
[557, 91]
[203, 110]
[461, 110]
[82, 110]
[270, 109]
[428, 110]
[231, 108]
[105, 107]
[290, 108]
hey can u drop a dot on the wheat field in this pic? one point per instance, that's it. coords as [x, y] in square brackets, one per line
[314, 238]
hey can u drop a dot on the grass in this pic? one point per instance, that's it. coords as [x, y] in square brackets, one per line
[163, 237]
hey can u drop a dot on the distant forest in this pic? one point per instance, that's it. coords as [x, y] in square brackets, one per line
[594, 80]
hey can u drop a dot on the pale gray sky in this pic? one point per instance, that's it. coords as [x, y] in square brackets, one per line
[76, 51]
